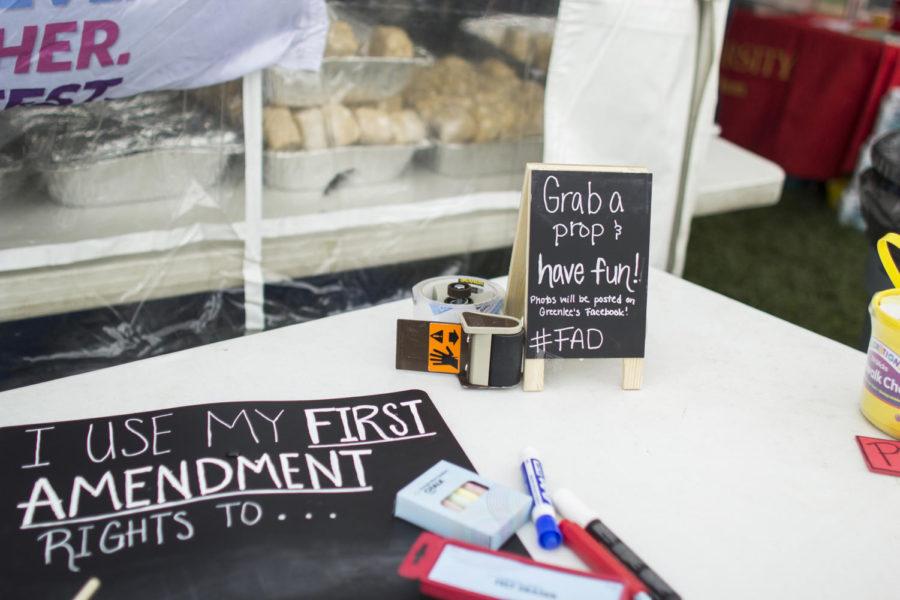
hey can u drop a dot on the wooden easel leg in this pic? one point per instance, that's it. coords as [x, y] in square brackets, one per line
[632, 373]
[516, 305]
[533, 375]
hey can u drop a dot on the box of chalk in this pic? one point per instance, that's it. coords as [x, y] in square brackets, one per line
[457, 503]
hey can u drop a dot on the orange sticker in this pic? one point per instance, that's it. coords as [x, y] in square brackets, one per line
[444, 346]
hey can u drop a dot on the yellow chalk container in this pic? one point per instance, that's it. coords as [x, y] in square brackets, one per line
[881, 390]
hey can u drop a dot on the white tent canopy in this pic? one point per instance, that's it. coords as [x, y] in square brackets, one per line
[621, 92]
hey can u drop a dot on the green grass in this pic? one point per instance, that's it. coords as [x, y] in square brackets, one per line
[792, 260]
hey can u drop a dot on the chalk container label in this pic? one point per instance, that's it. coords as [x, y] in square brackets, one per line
[883, 373]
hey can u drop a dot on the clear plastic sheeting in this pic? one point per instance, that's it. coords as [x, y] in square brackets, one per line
[152, 146]
[12, 165]
[403, 158]
[364, 62]
[106, 130]
[128, 229]
[121, 234]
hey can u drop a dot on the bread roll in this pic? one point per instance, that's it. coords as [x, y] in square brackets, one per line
[375, 126]
[532, 104]
[426, 106]
[453, 63]
[496, 68]
[488, 125]
[407, 127]
[340, 125]
[454, 124]
[280, 129]
[509, 118]
[392, 104]
[461, 103]
[311, 124]
[390, 41]
[341, 40]
[517, 43]
[543, 45]
[533, 122]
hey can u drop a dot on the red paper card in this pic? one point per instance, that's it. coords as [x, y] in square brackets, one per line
[882, 456]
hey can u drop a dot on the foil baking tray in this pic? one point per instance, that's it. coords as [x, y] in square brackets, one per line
[139, 177]
[350, 79]
[475, 160]
[12, 175]
[140, 109]
[493, 28]
[350, 165]
[105, 130]
[354, 79]
[147, 147]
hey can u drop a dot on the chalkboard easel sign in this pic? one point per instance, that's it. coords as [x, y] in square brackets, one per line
[235, 500]
[578, 275]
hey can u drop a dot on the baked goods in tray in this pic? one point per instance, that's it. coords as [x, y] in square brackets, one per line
[525, 39]
[384, 41]
[390, 42]
[364, 63]
[340, 146]
[340, 125]
[463, 102]
[527, 47]
[280, 129]
[311, 123]
[451, 122]
[341, 40]
[335, 125]
[494, 67]
[517, 43]
[407, 127]
[543, 46]
[375, 126]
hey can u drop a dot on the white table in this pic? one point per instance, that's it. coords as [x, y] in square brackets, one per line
[733, 178]
[734, 472]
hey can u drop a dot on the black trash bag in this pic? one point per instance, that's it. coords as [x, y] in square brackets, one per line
[880, 187]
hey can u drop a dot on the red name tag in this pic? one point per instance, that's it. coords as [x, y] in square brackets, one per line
[882, 456]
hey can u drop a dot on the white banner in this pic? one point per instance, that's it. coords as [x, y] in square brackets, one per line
[61, 52]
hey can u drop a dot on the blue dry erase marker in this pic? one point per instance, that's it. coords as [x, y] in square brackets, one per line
[543, 515]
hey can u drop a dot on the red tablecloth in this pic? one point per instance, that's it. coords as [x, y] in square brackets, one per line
[799, 94]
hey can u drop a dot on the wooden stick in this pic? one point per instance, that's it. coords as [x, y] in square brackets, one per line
[632, 373]
[533, 375]
[88, 589]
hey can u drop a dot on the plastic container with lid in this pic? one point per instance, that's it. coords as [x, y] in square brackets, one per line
[880, 402]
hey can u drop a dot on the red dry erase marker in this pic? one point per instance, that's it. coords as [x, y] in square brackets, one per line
[453, 570]
[570, 507]
[599, 559]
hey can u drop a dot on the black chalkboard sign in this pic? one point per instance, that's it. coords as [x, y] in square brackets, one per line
[580, 273]
[235, 500]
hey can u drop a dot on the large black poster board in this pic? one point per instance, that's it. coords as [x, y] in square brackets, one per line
[588, 241]
[236, 500]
